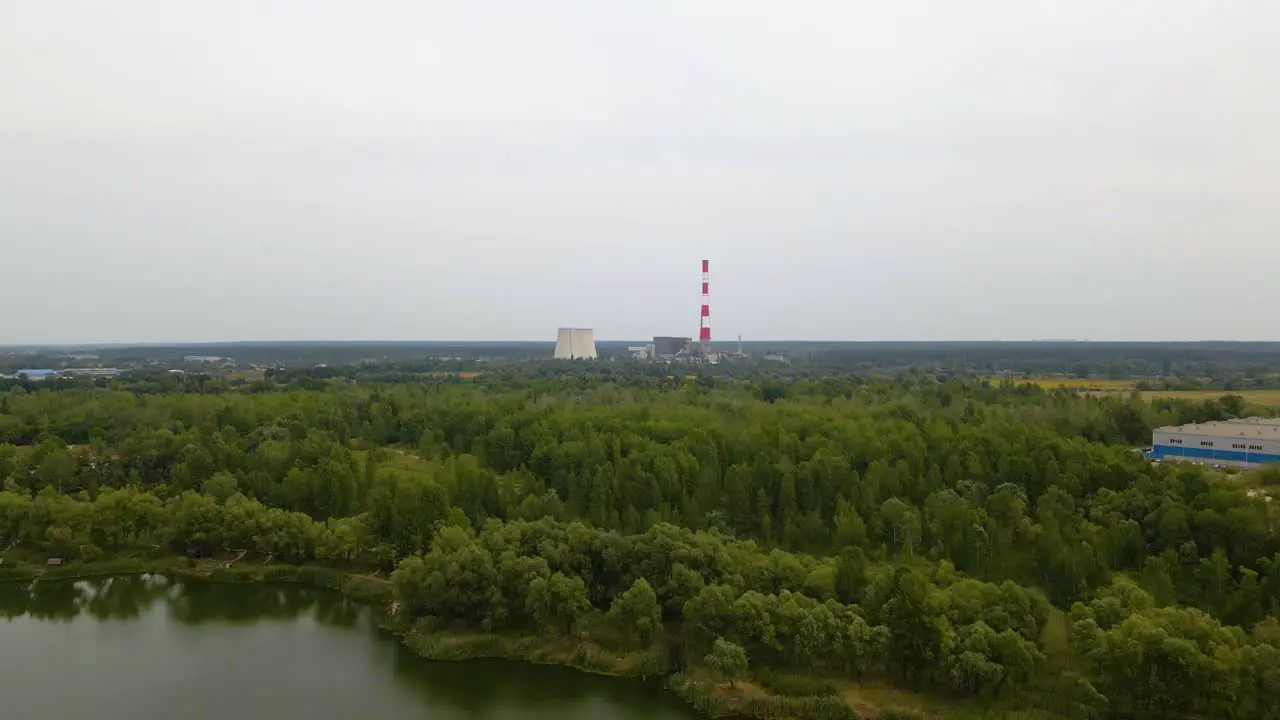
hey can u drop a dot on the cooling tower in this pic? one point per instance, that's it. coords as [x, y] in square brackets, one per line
[573, 343]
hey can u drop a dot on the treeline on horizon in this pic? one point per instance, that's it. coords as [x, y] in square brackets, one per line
[993, 542]
[1222, 364]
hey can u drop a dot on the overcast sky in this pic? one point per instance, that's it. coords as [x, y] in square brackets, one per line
[493, 169]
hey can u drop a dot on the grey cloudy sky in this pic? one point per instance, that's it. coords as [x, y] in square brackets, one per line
[493, 169]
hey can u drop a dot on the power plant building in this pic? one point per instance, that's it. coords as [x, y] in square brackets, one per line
[575, 343]
[667, 348]
[1244, 443]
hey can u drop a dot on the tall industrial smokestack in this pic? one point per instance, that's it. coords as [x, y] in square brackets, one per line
[704, 324]
[574, 343]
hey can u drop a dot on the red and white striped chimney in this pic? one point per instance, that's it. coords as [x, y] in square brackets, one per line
[704, 326]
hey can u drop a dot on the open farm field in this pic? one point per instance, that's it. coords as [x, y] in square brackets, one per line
[1085, 384]
[1255, 397]
[247, 375]
[1100, 386]
[1052, 382]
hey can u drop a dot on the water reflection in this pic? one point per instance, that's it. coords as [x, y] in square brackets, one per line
[544, 691]
[127, 597]
[196, 602]
[295, 661]
[44, 601]
[122, 598]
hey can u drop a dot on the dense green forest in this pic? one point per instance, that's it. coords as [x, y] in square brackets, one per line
[942, 535]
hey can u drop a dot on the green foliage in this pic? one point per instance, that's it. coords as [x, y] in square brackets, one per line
[916, 626]
[220, 486]
[636, 613]
[1270, 476]
[557, 602]
[456, 581]
[791, 685]
[1170, 660]
[851, 575]
[727, 659]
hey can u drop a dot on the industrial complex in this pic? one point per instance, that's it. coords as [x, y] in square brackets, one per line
[574, 343]
[1244, 443]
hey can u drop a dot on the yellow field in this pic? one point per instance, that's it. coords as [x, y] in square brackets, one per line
[1052, 383]
[1103, 387]
[247, 375]
[1256, 397]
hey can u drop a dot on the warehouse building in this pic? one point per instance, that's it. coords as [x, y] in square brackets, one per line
[34, 374]
[93, 372]
[1246, 443]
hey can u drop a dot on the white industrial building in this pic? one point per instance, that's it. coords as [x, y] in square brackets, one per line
[93, 372]
[1246, 442]
[575, 343]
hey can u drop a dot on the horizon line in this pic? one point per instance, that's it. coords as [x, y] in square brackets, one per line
[198, 343]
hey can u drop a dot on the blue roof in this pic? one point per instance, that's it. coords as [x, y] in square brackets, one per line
[35, 373]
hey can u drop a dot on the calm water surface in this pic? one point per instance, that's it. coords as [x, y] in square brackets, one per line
[140, 647]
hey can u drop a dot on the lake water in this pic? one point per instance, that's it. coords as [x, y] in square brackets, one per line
[141, 647]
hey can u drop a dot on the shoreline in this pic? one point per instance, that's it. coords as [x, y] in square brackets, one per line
[353, 585]
[709, 699]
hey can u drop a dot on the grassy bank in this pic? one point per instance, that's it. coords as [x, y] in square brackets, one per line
[748, 699]
[575, 653]
[17, 568]
[704, 693]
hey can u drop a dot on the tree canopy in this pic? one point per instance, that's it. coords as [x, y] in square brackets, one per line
[946, 535]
